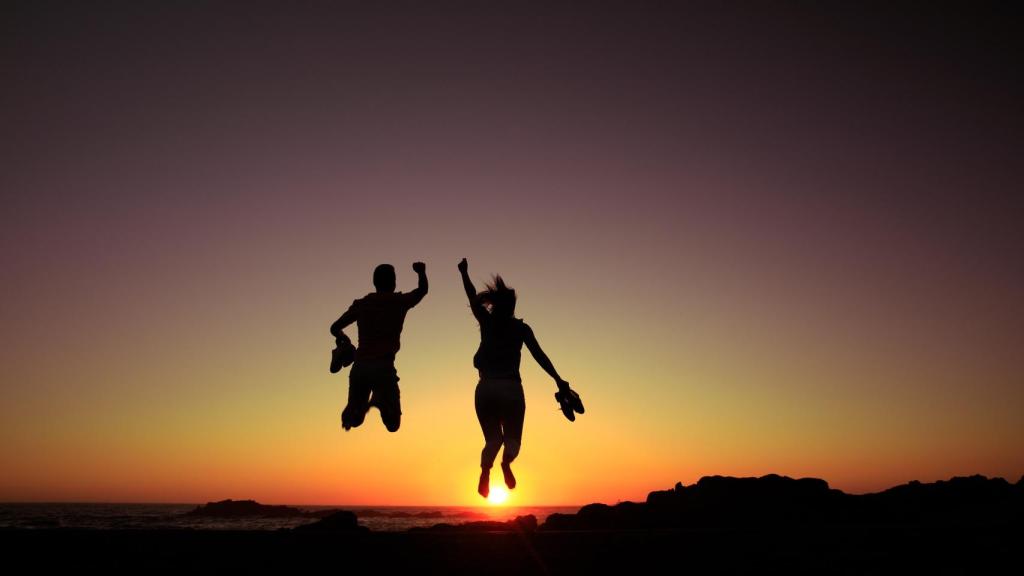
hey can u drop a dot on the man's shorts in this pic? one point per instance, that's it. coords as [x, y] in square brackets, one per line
[373, 384]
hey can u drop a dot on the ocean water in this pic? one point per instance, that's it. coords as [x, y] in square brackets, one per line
[174, 516]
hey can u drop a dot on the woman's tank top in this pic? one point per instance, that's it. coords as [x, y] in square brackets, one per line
[501, 344]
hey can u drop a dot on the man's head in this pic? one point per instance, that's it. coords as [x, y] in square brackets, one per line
[384, 278]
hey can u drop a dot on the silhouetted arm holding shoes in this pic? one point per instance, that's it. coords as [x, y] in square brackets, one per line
[344, 352]
[538, 354]
[346, 319]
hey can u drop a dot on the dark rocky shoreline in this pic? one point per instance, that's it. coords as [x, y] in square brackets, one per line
[772, 525]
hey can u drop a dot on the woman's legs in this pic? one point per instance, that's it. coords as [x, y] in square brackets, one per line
[500, 408]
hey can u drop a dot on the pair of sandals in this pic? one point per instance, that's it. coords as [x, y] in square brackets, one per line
[569, 402]
[343, 355]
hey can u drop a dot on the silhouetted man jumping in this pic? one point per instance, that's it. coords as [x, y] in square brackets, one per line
[379, 317]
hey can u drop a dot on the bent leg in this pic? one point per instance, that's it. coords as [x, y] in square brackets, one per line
[387, 398]
[358, 401]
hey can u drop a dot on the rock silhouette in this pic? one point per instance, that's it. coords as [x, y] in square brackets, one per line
[973, 499]
[253, 509]
[338, 521]
[244, 509]
[725, 502]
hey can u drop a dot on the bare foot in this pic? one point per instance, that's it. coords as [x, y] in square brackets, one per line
[510, 479]
[485, 482]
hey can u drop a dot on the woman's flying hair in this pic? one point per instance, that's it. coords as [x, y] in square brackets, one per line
[499, 298]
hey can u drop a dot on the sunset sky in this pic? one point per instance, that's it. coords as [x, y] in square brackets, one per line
[766, 241]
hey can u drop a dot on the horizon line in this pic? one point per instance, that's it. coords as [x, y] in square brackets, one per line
[484, 505]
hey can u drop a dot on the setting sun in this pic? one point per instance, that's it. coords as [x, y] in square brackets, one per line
[498, 496]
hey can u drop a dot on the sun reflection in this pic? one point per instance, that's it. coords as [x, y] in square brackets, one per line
[498, 496]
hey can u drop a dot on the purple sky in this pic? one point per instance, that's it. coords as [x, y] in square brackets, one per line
[706, 184]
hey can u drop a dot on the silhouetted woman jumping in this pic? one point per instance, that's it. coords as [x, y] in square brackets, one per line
[500, 405]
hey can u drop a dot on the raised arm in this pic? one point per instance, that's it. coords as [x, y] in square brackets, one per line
[474, 300]
[421, 287]
[538, 354]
